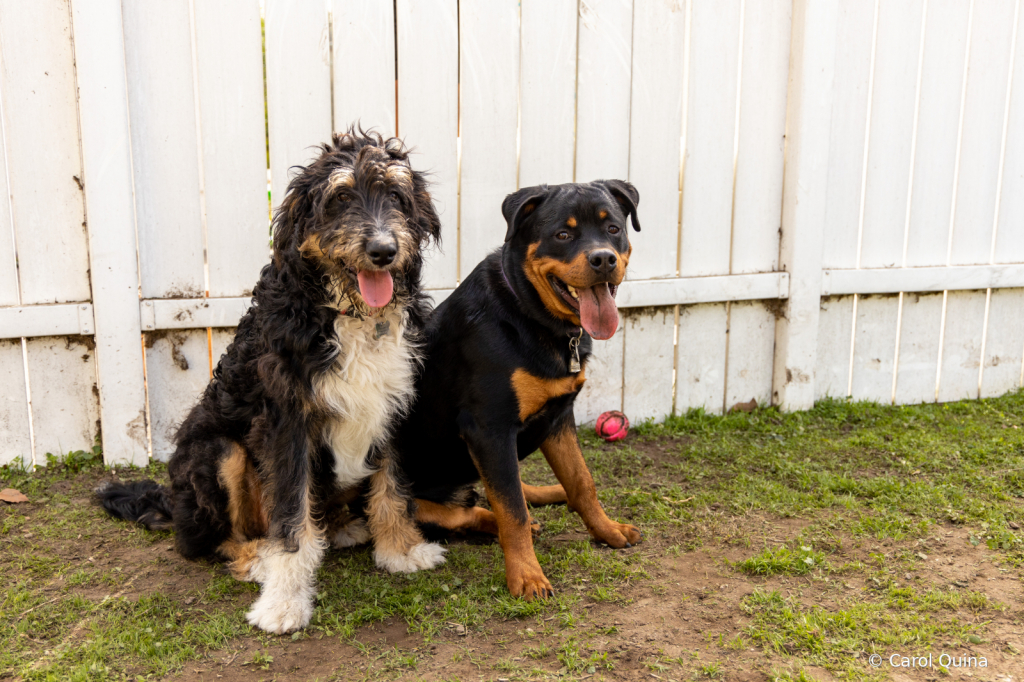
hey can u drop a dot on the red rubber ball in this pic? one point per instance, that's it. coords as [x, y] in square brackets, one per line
[612, 426]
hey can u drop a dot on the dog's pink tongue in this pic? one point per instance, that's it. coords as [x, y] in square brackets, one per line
[598, 313]
[376, 287]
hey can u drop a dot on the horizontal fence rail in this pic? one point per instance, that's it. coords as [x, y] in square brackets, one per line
[831, 191]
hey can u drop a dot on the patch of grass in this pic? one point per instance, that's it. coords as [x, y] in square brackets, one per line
[783, 561]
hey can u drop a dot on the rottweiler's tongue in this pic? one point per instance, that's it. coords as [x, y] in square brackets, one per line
[598, 313]
[376, 287]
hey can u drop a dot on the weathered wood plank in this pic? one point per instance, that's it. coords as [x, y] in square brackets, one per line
[15, 435]
[961, 346]
[919, 348]
[230, 70]
[364, 65]
[1004, 343]
[656, 116]
[489, 64]
[1010, 229]
[751, 348]
[298, 86]
[177, 372]
[547, 92]
[874, 348]
[428, 82]
[700, 365]
[602, 89]
[832, 364]
[649, 356]
[65, 405]
[44, 168]
[710, 138]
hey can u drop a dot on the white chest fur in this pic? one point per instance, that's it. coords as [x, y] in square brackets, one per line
[369, 386]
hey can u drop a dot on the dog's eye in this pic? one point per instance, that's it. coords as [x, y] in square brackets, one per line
[614, 229]
[563, 235]
[395, 196]
[344, 198]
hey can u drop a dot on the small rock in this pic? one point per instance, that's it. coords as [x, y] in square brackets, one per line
[189, 600]
[1013, 525]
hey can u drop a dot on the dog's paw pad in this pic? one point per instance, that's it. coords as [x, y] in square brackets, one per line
[422, 556]
[352, 534]
[280, 616]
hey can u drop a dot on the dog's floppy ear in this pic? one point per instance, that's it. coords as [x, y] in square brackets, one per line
[626, 195]
[425, 214]
[518, 206]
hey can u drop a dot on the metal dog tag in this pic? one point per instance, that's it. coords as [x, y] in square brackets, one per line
[574, 353]
[382, 328]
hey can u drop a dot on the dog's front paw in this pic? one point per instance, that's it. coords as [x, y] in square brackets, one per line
[617, 535]
[421, 556]
[528, 582]
[351, 534]
[280, 615]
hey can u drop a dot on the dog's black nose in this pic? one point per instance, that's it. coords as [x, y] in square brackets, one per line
[603, 260]
[381, 250]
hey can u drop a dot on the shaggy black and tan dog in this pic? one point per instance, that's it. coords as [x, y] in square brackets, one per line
[297, 419]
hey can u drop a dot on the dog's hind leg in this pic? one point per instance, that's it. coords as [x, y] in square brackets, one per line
[398, 545]
[456, 517]
[544, 494]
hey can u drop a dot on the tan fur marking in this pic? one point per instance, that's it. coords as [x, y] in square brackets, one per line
[576, 272]
[562, 451]
[533, 392]
[603, 214]
[571, 222]
[392, 529]
[544, 494]
[456, 517]
[245, 495]
[523, 574]
[241, 556]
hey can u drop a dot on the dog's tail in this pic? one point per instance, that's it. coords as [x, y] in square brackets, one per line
[144, 502]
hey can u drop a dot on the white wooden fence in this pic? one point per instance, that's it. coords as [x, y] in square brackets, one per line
[832, 191]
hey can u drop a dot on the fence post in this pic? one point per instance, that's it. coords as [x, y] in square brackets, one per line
[808, 126]
[110, 216]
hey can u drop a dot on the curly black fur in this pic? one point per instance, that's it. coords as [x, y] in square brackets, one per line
[262, 395]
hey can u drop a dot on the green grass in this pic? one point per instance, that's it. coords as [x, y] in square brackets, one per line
[866, 487]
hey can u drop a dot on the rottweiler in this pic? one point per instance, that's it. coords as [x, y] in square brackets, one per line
[505, 357]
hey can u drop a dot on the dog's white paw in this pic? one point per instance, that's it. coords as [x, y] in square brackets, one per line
[351, 534]
[280, 615]
[422, 556]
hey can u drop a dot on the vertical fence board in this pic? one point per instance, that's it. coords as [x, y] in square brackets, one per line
[650, 351]
[751, 345]
[1004, 342]
[230, 68]
[919, 348]
[489, 65]
[603, 388]
[1010, 230]
[15, 437]
[961, 346]
[8, 257]
[656, 116]
[65, 409]
[874, 348]
[364, 65]
[710, 138]
[981, 144]
[759, 163]
[602, 94]
[547, 92]
[110, 206]
[298, 86]
[892, 133]
[938, 119]
[428, 82]
[832, 365]
[177, 369]
[37, 84]
[849, 116]
[700, 365]
[165, 156]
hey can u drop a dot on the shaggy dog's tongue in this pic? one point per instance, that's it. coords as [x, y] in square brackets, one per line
[598, 313]
[376, 287]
